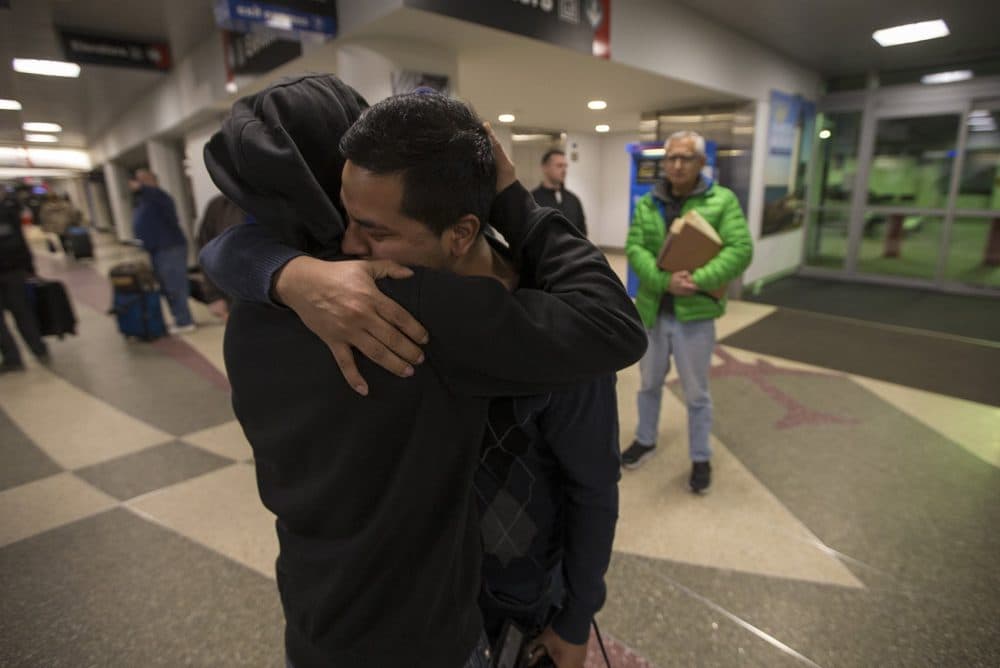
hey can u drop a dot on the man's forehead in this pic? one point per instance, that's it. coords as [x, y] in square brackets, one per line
[682, 143]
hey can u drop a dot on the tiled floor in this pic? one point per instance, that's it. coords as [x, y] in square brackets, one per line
[853, 522]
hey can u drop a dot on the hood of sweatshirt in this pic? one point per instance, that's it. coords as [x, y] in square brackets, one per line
[277, 157]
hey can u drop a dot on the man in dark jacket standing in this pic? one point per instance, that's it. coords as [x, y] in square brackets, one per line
[155, 225]
[15, 267]
[552, 191]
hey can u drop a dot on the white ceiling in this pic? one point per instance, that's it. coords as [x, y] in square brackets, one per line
[87, 106]
[544, 86]
[835, 36]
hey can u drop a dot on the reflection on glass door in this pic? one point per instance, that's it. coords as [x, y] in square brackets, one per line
[974, 248]
[907, 195]
[830, 191]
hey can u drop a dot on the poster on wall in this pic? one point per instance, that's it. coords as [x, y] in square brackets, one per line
[581, 25]
[789, 144]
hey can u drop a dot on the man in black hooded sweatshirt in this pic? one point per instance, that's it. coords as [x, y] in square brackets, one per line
[380, 552]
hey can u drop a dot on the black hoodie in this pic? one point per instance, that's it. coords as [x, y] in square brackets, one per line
[380, 548]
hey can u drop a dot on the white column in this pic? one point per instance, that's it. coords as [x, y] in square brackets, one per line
[97, 205]
[116, 180]
[202, 188]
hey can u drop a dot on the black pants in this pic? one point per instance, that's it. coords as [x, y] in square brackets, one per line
[14, 299]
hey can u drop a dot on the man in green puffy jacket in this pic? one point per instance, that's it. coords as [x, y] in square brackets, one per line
[676, 309]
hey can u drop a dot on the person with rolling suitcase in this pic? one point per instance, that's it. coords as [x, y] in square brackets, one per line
[156, 226]
[15, 266]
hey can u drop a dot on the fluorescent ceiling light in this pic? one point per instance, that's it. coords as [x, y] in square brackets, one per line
[602, 128]
[911, 32]
[979, 113]
[48, 68]
[980, 120]
[10, 105]
[506, 118]
[41, 127]
[42, 139]
[825, 134]
[946, 77]
[597, 105]
[654, 152]
[530, 137]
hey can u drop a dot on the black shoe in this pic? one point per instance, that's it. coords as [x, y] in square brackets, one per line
[8, 368]
[636, 454]
[701, 477]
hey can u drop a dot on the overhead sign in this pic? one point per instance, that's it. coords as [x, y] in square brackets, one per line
[115, 52]
[294, 17]
[581, 25]
[259, 53]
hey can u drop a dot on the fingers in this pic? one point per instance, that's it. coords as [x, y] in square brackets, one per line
[345, 360]
[377, 352]
[385, 333]
[401, 319]
[388, 269]
[506, 173]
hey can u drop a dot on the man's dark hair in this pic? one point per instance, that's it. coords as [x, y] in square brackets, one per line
[551, 152]
[440, 147]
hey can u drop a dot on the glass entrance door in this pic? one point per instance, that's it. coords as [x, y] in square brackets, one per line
[973, 253]
[906, 200]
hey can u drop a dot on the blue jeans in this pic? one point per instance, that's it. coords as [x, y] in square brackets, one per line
[170, 266]
[691, 345]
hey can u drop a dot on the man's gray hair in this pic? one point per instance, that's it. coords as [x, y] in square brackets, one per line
[699, 141]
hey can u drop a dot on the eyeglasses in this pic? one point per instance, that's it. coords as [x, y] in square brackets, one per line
[680, 157]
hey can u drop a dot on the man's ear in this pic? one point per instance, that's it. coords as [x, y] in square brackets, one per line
[460, 237]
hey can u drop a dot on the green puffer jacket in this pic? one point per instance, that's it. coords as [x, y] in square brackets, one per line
[718, 205]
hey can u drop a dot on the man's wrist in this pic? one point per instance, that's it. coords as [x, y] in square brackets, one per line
[283, 279]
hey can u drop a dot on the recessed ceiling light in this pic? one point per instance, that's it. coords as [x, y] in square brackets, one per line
[232, 87]
[10, 105]
[597, 105]
[48, 68]
[825, 134]
[506, 118]
[946, 77]
[42, 139]
[911, 32]
[602, 128]
[42, 127]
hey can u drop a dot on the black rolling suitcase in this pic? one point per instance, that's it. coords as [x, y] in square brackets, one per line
[76, 242]
[52, 307]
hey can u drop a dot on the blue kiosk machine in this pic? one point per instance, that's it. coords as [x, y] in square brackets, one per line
[648, 169]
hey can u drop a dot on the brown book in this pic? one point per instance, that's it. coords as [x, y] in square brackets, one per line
[691, 243]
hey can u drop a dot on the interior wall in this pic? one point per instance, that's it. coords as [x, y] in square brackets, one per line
[673, 40]
[583, 177]
[202, 188]
[610, 227]
[194, 85]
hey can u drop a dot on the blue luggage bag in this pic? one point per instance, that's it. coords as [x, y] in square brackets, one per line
[136, 302]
